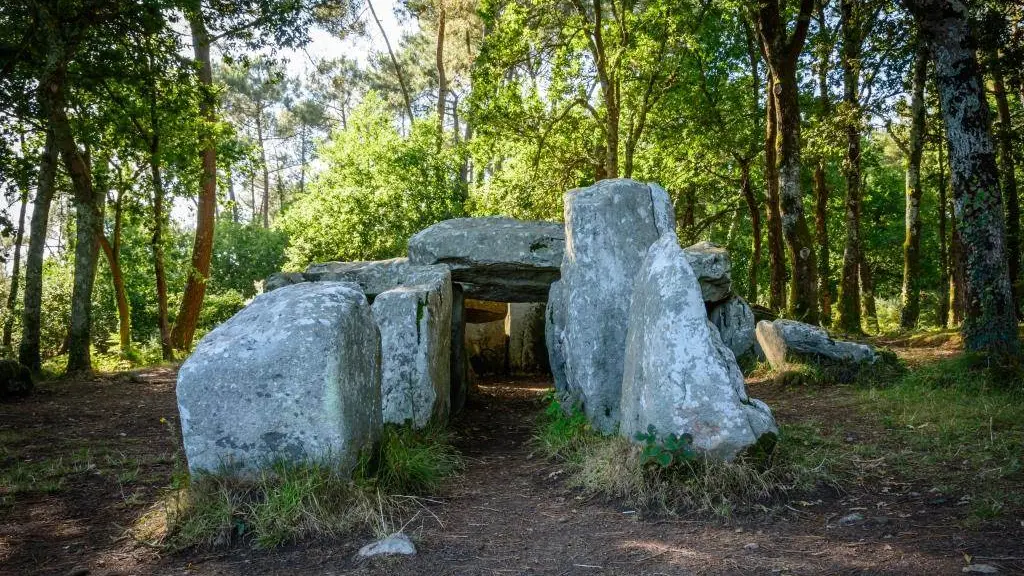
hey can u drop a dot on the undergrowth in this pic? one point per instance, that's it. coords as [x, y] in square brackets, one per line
[614, 467]
[287, 502]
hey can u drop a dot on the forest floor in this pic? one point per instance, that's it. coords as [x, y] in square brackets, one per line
[82, 460]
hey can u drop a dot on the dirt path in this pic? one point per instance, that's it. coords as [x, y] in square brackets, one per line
[509, 513]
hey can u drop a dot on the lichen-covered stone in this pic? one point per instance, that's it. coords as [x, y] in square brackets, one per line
[293, 376]
[282, 279]
[527, 352]
[494, 258]
[487, 347]
[415, 333]
[373, 276]
[678, 375]
[735, 322]
[787, 342]
[609, 227]
[554, 326]
[711, 264]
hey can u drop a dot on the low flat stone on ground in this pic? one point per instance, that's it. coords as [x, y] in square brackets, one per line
[787, 342]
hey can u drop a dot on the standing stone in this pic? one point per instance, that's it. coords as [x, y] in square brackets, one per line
[527, 352]
[608, 227]
[679, 376]
[711, 264]
[293, 376]
[459, 364]
[788, 342]
[415, 333]
[554, 326]
[500, 259]
[735, 322]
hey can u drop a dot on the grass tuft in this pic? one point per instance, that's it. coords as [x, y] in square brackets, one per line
[288, 502]
[612, 466]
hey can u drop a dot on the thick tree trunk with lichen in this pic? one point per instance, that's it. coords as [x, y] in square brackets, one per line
[911, 296]
[31, 315]
[990, 323]
[849, 285]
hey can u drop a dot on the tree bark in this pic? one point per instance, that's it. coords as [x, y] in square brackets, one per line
[911, 296]
[782, 52]
[990, 324]
[1005, 138]
[867, 290]
[442, 82]
[820, 184]
[31, 315]
[157, 244]
[202, 249]
[776, 257]
[112, 251]
[849, 286]
[755, 225]
[12, 296]
[943, 305]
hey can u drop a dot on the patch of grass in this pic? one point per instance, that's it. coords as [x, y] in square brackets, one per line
[287, 502]
[956, 413]
[614, 467]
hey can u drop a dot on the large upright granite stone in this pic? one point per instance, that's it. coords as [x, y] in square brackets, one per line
[711, 264]
[735, 322]
[415, 333]
[678, 375]
[295, 375]
[527, 352]
[608, 227]
[554, 327]
[786, 342]
[494, 258]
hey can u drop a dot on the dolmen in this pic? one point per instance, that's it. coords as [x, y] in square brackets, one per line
[637, 331]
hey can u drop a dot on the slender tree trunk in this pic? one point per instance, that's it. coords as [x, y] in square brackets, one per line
[12, 296]
[867, 289]
[849, 287]
[88, 216]
[202, 250]
[265, 201]
[112, 251]
[820, 184]
[1005, 140]
[777, 262]
[943, 308]
[157, 244]
[911, 296]
[231, 195]
[31, 315]
[755, 225]
[442, 81]
[958, 276]
[394, 62]
[990, 324]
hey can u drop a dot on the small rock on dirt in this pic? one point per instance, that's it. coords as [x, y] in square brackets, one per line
[850, 519]
[397, 543]
[980, 569]
[751, 546]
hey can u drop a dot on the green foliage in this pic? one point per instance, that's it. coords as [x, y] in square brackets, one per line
[558, 431]
[378, 189]
[244, 254]
[672, 450]
[410, 461]
[218, 307]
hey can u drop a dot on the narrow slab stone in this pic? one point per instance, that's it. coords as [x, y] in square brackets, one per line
[494, 258]
[415, 331]
[554, 326]
[293, 376]
[711, 264]
[786, 342]
[679, 377]
[609, 227]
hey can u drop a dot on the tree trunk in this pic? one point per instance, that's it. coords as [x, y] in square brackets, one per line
[958, 276]
[394, 62]
[849, 286]
[157, 244]
[755, 225]
[820, 184]
[31, 314]
[1005, 140]
[12, 296]
[777, 262]
[990, 324]
[265, 201]
[88, 217]
[231, 194]
[112, 250]
[202, 250]
[911, 296]
[442, 82]
[867, 290]
[943, 307]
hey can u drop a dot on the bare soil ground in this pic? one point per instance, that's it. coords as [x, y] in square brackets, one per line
[103, 449]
